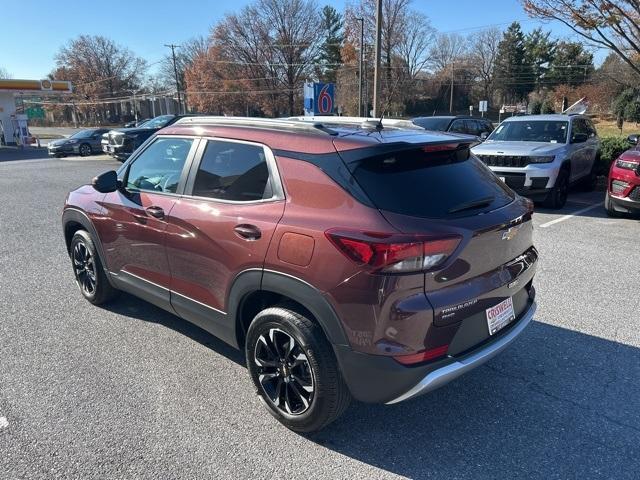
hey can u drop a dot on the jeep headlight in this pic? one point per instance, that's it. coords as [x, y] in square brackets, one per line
[544, 159]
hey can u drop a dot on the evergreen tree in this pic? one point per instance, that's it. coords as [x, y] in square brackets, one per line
[539, 53]
[330, 58]
[571, 65]
[511, 72]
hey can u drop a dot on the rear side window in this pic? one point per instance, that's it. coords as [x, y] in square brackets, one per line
[233, 171]
[446, 184]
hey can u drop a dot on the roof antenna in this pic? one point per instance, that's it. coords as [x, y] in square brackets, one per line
[387, 104]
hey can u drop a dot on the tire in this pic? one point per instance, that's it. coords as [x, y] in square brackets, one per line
[85, 150]
[88, 270]
[557, 197]
[608, 206]
[301, 385]
[590, 183]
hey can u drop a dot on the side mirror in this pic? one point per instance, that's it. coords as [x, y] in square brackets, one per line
[579, 137]
[484, 136]
[633, 139]
[106, 182]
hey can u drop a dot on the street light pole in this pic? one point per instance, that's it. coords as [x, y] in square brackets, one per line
[451, 93]
[361, 80]
[376, 72]
[175, 71]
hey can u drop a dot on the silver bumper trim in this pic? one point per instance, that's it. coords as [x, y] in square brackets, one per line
[444, 375]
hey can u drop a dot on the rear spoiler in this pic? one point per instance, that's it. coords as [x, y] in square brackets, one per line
[460, 146]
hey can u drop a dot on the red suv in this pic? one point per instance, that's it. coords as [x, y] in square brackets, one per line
[623, 192]
[348, 261]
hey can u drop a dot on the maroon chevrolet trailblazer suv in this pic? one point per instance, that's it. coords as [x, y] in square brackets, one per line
[348, 259]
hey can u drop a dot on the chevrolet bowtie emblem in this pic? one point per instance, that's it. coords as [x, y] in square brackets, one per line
[510, 234]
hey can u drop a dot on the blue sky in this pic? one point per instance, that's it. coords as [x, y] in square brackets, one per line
[144, 27]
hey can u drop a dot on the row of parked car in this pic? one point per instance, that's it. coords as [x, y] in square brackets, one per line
[539, 156]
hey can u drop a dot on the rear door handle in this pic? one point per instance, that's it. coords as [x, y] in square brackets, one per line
[249, 232]
[154, 211]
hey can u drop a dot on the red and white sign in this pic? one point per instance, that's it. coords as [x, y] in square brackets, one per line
[500, 315]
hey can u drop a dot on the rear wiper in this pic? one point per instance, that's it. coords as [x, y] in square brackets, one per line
[481, 202]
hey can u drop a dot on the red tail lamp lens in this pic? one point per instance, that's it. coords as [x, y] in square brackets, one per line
[423, 356]
[391, 253]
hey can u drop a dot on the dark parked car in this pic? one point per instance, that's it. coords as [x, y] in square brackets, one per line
[375, 264]
[83, 143]
[121, 142]
[478, 127]
[136, 123]
[623, 191]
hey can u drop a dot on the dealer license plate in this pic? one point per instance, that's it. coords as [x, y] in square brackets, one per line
[500, 315]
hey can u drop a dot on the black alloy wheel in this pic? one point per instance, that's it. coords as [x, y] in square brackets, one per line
[284, 372]
[84, 268]
[294, 369]
[88, 270]
[85, 150]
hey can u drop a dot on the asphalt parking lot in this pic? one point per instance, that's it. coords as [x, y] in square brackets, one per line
[130, 391]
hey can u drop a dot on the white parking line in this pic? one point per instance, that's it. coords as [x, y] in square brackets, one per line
[4, 423]
[567, 217]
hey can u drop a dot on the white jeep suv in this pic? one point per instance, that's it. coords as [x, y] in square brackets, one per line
[540, 156]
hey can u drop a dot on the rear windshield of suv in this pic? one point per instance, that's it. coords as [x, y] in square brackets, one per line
[425, 184]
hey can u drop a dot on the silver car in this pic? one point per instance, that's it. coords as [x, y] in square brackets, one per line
[540, 156]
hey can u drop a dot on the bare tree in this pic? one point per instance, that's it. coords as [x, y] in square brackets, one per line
[4, 73]
[614, 24]
[483, 54]
[186, 53]
[277, 42]
[98, 69]
[415, 42]
[448, 48]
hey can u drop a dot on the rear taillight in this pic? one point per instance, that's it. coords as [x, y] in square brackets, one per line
[391, 253]
[424, 356]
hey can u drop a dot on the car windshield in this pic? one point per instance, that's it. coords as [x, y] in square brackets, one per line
[548, 131]
[437, 124]
[158, 122]
[82, 134]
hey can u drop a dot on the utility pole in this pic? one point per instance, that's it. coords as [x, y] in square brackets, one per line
[175, 71]
[361, 112]
[451, 93]
[376, 72]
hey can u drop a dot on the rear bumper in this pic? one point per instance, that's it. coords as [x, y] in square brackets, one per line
[380, 379]
[444, 375]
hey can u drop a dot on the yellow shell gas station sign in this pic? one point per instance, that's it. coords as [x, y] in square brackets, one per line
[36, 86]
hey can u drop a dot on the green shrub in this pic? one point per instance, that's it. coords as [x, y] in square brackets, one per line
[611, 149]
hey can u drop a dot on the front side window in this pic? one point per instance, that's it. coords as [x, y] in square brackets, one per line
[233, 171]
[159, 167]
